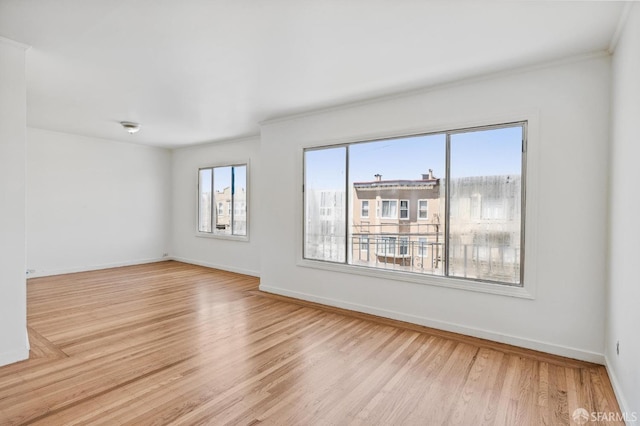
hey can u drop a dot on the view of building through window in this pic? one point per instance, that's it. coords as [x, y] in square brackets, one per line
[223, 187]
[395, 210]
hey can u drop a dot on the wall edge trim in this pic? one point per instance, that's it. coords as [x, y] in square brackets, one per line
[550, 348]
[87, 268]
[227, 268]
[13, 356]
[617, 389]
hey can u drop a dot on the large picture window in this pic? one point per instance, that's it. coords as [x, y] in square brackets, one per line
[223, 187]
[467, 186]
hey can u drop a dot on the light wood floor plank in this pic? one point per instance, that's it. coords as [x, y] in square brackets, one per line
[171, 343]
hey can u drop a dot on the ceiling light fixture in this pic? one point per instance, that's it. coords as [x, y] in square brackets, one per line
[130, 127]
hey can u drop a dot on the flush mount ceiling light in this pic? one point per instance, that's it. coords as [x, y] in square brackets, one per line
[130, 127]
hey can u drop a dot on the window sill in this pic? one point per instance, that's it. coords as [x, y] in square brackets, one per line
[434, 280]
[243, 238]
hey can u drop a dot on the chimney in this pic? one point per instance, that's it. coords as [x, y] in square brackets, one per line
[378, 177]
[428, 176]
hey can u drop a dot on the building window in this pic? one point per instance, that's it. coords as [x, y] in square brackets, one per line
[404, 209]
[473, 192]
[404, 246]
[364, 243]
[327, 203]
[422, 246]
[364, 211]
[220, 187]
[423, 211]
[389, 209]
[386, 246]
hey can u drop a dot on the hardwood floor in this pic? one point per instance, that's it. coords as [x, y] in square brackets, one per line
[170, 343]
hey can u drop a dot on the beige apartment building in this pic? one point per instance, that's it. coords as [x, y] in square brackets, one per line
[223, 205]
[398, 222]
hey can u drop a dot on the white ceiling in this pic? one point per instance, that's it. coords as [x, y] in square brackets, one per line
[192, 71]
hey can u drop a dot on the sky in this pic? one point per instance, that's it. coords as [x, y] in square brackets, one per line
[222, 178]
[478, 153]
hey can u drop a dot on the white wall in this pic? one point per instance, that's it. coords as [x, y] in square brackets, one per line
[13, 116]
[623, 301]
[231, 255]
[94, 203]
[570, 103]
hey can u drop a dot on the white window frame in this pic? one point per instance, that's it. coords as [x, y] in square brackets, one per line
[214, 205]
[362, 204]
[364, 243]
[426, 210]
[400, 210]
[403, 245]
[530, 172]
[423, 246]
[386, 245]
[382, 201]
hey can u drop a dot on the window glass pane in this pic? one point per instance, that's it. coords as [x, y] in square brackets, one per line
[387, 178]
[325, 204]
[423, 212]
[204, 201]
[392, 175]
[365, 209]
[422, 246]
[404, 209]
[240, 200]
[222, 194]
[404, 246]
[485, 204]
[389, 209]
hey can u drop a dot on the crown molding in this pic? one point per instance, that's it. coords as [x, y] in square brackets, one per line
[622, 22]
[293, 115]
[14, 43]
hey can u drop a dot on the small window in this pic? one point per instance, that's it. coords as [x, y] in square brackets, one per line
[389, 209]
[364, 212]
[364, 243]
[404, 246]
[422, 246]
[423, 210]
[327, 203]
[386, 246]
[223, 187]
[404, 209]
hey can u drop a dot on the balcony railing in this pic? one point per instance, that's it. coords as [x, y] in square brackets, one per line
[398, 251]
[423, 253]
[420, 253]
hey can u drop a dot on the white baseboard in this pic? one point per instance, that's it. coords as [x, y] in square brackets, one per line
[550, 348]
[617, 389]
[217, 266]
[51, 272]
[16, 355]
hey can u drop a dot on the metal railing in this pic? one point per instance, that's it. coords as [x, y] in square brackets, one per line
[423, 253]
[419, 253]
[411, 252]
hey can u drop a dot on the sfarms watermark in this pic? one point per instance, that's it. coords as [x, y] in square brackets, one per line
[581, 416]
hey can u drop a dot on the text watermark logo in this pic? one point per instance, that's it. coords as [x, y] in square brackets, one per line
[581, 416]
